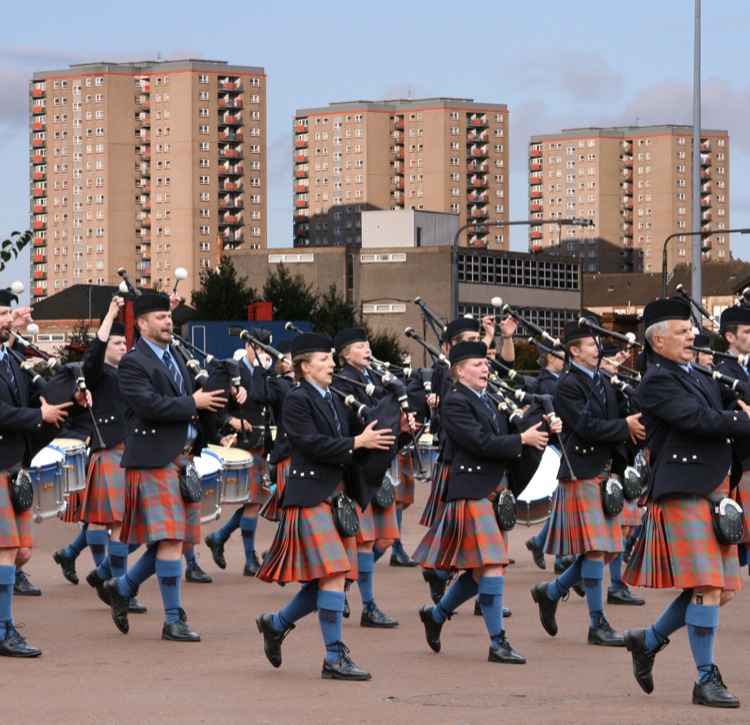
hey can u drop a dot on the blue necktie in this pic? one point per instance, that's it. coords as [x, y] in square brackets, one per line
[600, 386]
[11, 376]
[329, 400]
[174, 372]
[486, 401]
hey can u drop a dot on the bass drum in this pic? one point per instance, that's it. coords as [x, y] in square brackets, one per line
[534, 503]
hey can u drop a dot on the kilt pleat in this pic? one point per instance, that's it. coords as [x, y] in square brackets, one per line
[73, 507]
[154, 508]
[631, 514]
[405, 488]
[257, 492]
[271, 509]
[741, 494]
[16, 529]
[104, 502]
[465, 536]
[435, 500]
[578, 523]
[377, 523]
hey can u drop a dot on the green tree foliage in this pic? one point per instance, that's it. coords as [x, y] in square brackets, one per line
[12, 246]
[333, 313]
[222, 295]
[527, 357]
[385, 345]
[79, 340]
[292, 297]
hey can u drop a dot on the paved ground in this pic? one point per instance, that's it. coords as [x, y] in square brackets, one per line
[90, 673]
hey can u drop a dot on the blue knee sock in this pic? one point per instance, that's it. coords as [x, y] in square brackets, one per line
[463, 589]
[233, 523]
[169, 574]
[541, 537]
[442, 574]
[592, 573]
[670, 621]
[304, 602]
[75, 547]
[330, 615]
[116, 562]
[491, 602]
[572, 575]
[96, 540]
[189, 555]
[248, 525]
[615, 572]
[702, 621]
[7, 580]
[138, 573]
[377, 554]
[365, 564]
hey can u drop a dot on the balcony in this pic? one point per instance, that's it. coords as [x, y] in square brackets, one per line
[39, 208]
[705, 174]
[536, 235]
[230, 120]
[39, 241]
[38, 142]
[40, 257]
[705, 202]
[38, 158]
[300, 144]
[300, 158]
[230, 171]
[40, 291]
[535, 180]
[706, 216]
[40, 274]
[476, 137]
[40, 192]
[535, 207]
[479, 198]
[145, 120]
[301, 204]
[231, 137]
[231, 186]
[301, 217]
[475, 166]
[230, 86]
[535, 167]
[478, 212]
[535, 153]
[230, 103]
[477, 151]
[226, 153]
[705, 159]
[536, 195]
[300, 128]
[39, 126]
[478, 121]
[478, 182]
[231, 221]
[38, 93]
[705, 145]
[627, 160]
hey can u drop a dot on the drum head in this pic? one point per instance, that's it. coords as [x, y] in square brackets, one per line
[544, 482]
[48, 456]
[69, 445]
[232, 457]
[207, 463]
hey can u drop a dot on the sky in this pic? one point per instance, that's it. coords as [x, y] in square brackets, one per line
[554, 64]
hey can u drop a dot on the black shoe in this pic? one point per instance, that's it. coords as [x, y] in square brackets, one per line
[564, 563]
[23, 587]
[628, 550]
[135, 607]
[179, 631]
[217, 551]
[505, 653]
[119, 604]
[579, 589]
[400, 558]
[547, 608]
[67, 565]
[347, 610]
[714, 692]
[343, 668]
[643, 658]
[196, 575]
[603, 634]
[373, 617]
[251, 567]
[511, 561]
[537, 553]
[96, 582]
[14, 645]
[271, 638]
[431, 628]
[437, 585]
[623, 595]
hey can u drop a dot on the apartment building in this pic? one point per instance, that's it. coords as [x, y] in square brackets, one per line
[436, 154]
[635, 183]
[149, 166]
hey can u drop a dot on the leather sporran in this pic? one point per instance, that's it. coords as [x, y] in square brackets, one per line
[505, 510]
[345, 515]
[385, 496]
[613, 499]
[190, 483]
[20, 490]
[728, 524]
[632, 483]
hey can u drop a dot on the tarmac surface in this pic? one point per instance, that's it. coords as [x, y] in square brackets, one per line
[90, 673]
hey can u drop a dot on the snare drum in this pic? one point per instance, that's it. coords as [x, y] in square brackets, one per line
[74, 451]
[235, 477]
[47, 474]
[534, 503]
[209, 468]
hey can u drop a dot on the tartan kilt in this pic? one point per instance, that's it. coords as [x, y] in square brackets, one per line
[578, 523]
[435, 500]
[376, 523]
[257, 492]
[154, 508]
[405, 488]
[741, 494]
[104, 502]
[465, 536]
[307, 546]
[73, 507]
[16, 529]
[271, 509]
[678, 548]
[631, 514]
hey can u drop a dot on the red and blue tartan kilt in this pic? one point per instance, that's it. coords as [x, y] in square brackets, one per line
[678, 548]
[377, 523]
[104, 502]
[465, 536]
[257, 493]
[741, 494]
[270, 509]
[578, 523]
[405, 488]
[154, 508]
[16, 529]
[631, 514]
[307, 546]
[73, 504]
[437, 491]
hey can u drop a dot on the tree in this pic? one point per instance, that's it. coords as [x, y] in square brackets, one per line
[11, 247]
[333, 313]
[222, 295]
[292, 297]
[385, 346]
[79, 340]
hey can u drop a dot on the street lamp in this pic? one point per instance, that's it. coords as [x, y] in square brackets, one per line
[500, 223]
[703, 249]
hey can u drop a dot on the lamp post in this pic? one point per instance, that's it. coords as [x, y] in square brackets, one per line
[690, 234]
[499, 223]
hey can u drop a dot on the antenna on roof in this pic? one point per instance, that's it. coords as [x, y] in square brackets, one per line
[409, 91]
